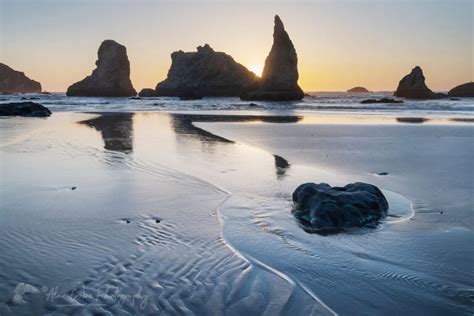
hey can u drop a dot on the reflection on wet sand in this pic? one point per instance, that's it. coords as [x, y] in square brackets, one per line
[183, 126]
[281, 166]
[463, 120]
[183, 123]
[116, 130]
[412, 120]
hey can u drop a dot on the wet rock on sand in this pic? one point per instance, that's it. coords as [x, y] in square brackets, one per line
[324, 209]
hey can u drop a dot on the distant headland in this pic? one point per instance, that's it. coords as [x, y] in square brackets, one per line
[13, 81]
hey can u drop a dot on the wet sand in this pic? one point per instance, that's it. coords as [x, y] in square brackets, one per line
[176, 213]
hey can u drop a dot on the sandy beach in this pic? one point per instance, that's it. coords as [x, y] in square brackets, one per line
[178, 213]
[236, 157]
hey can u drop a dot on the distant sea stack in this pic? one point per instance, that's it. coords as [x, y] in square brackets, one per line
[463, 91]
[13, 81]
[147, 93]
[358, 90]
[413, 86]
[279, 80]
[205, 73]
[111, 78]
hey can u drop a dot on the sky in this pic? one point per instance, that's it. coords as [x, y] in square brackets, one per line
[340, 43]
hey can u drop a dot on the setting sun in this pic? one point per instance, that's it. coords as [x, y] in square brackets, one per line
[256, 69]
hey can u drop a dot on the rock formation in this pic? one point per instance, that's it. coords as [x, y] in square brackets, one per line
[147, 93]
[413, 86]
[12, 81]
[30, 109]
[279, 80]
[205, 73]
[323, 209]
[463, 91]
[189, 94]
[383, 100]
[111, 78]
[358, 90]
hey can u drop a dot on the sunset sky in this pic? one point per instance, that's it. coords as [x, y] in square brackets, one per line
[340, 44]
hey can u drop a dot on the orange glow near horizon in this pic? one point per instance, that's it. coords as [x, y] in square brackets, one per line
[256, 69]
[340, 44]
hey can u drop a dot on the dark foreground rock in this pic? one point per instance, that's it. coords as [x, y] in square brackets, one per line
[463, 91]
[279, 80]
[358, 90]
[413, 86]
[111, 78]
[323, 209]
[383, 100]
[30, 109]
[206, 73]
[147, 93]
[12, 81]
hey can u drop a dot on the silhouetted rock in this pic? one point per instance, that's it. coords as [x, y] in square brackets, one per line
[383, 100]
[323, 209]
[279, 80]
[413, 86]
[358, 90]
[463, 91]
[111, 78]
[147, 93]
[206, 73]
[12, 81]
[189, 94]
[30, 109]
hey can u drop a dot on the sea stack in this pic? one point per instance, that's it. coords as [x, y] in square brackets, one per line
[463, 91]
[111, 78]
[358, 90]
[205, 73]
[13, 81]
[413, 86]
[279, 80]
[147, 93]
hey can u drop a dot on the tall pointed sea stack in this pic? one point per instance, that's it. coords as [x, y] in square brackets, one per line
[111, 78]
[413, 86]
[280, 75]
[12, 81]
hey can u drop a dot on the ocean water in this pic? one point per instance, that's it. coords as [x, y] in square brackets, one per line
[186, 211]
[326, 102]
